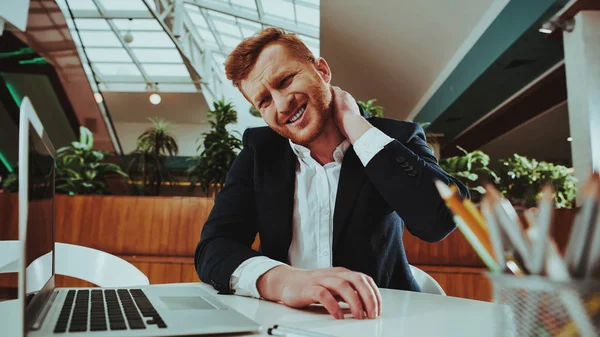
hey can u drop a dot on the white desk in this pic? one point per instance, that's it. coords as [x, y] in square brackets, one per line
[404, 314]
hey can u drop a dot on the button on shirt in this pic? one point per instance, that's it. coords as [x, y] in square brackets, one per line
[314, 203]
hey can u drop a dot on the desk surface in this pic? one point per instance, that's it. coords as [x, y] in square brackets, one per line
[404, 314]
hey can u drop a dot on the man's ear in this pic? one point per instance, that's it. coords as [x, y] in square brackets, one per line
[323, 69]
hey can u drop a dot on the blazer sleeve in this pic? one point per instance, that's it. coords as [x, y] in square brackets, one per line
[404, 173]
[231, 226]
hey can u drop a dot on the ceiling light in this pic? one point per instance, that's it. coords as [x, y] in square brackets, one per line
[547, 28]
[570, 139]
[155, 99]
[98, 97]
[128, 37]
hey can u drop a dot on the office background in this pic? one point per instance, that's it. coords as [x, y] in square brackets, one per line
[477, 74]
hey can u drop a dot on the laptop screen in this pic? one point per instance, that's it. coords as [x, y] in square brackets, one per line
[36, 206]
[40, 219]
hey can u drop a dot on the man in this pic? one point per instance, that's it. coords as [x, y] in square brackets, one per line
[326, 188]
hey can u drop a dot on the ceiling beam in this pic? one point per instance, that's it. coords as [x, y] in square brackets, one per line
[509, 55]
[541, 95]
[112, 14]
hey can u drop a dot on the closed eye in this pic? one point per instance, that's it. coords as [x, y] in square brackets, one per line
[264, 102]
[286, 81]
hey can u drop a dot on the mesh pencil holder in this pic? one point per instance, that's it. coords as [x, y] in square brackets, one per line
[537, 306]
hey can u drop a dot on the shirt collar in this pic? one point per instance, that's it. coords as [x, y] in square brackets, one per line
[338, 154]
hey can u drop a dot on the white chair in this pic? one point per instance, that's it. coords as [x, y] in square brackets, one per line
[88, 264]
[97, 267]
[427, 283]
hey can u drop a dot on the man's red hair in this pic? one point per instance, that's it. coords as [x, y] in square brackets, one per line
[243, 58]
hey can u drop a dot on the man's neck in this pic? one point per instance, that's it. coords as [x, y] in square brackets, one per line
[322, 148]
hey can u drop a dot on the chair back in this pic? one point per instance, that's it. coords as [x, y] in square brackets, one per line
[427, 283]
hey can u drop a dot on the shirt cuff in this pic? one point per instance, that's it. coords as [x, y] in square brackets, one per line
[370, 143]
[244, 277]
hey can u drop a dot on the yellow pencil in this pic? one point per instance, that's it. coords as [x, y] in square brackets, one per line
[470, 217]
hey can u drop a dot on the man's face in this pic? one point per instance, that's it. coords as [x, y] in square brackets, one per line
[292, 95]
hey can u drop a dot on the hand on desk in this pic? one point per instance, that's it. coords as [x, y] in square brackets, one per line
[299, 288]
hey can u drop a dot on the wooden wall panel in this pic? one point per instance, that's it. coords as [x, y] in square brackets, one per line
[471, 283]
[454, 250]
[161, 226]
[63, 281]
[9, 216]
[8, 286]
[159, 236]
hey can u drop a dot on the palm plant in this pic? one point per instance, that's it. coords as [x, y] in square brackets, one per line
[218, 149]
[153, 146]
[79, 168]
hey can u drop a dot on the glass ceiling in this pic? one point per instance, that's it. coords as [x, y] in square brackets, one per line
[98, 28]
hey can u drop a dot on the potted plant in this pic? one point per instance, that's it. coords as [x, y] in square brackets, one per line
[219, 149]
[472, 169]
[522, 180]
[152, 148]
[79, 168]
[372, 109]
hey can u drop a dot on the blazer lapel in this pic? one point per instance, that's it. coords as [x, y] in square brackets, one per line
[352, 178]
[280, 177]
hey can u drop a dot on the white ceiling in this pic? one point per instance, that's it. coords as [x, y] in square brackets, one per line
[394, 50]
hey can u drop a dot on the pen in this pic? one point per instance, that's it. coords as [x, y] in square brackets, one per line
[593, 261]
[278, 330]
[579, 242]
[541, 226]
[494, 232]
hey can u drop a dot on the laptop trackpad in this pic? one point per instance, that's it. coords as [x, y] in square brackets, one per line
[187, 303]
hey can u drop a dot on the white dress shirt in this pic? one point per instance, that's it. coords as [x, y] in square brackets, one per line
[314, 202]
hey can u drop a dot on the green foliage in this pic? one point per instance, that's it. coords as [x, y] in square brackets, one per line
[254, 112]
[153, 146]
[219, 149]
[522, 180]
[79, 168]
[472, 169]
[370, 107]
[10, 184]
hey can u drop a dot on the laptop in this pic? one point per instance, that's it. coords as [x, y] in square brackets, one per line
[165, 310]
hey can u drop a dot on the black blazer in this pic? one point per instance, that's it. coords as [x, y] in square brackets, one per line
[373, 203]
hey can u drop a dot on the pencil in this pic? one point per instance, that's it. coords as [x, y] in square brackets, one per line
[579, 242]
[593, 261]
[472, 220]
[542, 227]
[494, 231]
[511, 226]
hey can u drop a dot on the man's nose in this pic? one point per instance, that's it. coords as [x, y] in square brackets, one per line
[283, 103]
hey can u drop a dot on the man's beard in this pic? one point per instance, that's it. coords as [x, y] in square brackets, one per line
[319, 106]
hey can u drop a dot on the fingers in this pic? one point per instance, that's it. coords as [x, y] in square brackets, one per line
[323, 296]
[348, 293]
[377, 294]
[367, 293]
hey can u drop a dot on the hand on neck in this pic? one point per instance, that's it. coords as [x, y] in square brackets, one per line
[322, 148]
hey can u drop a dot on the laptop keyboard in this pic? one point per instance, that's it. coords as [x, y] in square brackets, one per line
[126, 309]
